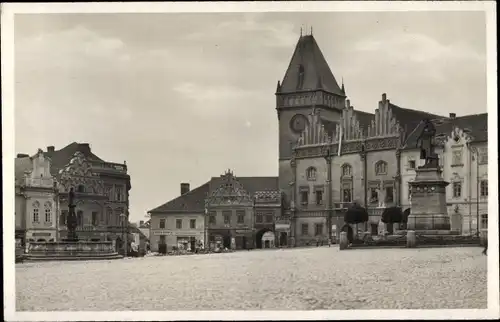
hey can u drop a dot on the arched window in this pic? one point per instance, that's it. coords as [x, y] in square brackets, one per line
[381, 168]
[346, 170]
[48, 211]
[36, 211]
[311, 173]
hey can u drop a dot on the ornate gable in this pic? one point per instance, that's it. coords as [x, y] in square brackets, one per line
[268, 197]
[460, 136]
[351, 129]
[230, 192]
[78, 172]
[314, 132]
[384, 124]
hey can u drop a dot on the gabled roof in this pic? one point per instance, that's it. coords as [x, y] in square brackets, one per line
[192, 201]
[409, 118]
[476, 124]
[60, 158]
[308, 60]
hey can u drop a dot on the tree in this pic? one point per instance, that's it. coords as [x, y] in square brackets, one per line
[392, 215]
[356, 215]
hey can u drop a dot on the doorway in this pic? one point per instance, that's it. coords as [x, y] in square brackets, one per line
[193, 244]
[226, 241]
[283, 239]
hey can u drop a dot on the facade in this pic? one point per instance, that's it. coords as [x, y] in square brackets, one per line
[180, 222]
[36, 199]
[101, 190]
[331, 155]
[463, 153]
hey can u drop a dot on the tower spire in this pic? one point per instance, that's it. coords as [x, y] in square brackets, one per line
[343, 87]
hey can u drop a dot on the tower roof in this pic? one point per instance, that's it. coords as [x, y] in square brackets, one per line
[308, 70]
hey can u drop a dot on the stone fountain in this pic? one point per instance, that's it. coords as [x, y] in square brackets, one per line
[71, 248]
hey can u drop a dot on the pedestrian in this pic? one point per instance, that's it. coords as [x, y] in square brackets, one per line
[485, 250]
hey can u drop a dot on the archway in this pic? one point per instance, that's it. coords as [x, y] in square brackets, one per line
[258, 237]
[268, 239]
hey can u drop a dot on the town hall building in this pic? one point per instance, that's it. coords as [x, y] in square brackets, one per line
[330, 155]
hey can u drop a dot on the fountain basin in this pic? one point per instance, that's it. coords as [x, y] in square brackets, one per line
[71, 250]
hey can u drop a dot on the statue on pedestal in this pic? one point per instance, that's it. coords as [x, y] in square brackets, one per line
[425, 142]
[72, 221]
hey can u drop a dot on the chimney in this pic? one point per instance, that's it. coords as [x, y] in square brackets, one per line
[453, 115]
[22, 155]
[184, 188]
[384, 97]
[51, 149]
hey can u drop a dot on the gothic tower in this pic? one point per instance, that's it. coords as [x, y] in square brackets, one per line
[308, 83]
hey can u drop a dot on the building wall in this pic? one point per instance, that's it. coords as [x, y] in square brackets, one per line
[20, 212]
[356, 163]
[381, 180]
[171, 232]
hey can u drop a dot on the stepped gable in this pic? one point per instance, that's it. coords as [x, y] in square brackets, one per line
[60, 158]
[308, 70]
[351, 128]
[315, 132]
[191, 202]
[475, 126]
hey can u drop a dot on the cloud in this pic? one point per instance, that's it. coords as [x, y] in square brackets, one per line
[269, 34]
[204, 93]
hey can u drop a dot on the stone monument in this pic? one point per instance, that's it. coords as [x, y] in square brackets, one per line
[428, 201]
[72, 220]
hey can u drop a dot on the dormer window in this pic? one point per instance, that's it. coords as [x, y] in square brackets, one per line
[311, 174]
[301, 77]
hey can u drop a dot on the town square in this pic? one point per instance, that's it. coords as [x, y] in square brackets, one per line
[252, 161]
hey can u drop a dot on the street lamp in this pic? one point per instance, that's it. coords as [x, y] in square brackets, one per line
[328, 158]
[124, 238]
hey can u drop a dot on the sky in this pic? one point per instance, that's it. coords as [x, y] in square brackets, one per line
[183, 97]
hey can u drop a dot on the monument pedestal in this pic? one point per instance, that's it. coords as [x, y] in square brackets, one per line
[428, 202]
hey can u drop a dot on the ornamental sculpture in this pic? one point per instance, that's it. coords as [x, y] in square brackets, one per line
[426, 143]
[71, 220]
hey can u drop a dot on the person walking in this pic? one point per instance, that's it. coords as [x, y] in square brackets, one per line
[485, 250]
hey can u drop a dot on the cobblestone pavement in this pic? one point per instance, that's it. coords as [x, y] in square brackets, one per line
[304, 279]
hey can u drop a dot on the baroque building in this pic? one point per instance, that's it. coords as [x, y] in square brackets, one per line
[331, 155]
[101, 189]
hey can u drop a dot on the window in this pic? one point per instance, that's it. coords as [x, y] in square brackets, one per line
[162, 223]
[305, 229]
[389, 194]
[318, 229]
[269, 218]
[241, 216]
[48, 212]
[227, 217]
[162, 240]
[108, 191]
[346, 192]
[381, 168]
[36, 214]
[109, 216]
[178, 223]
[319, 197]
[81, 188]
[79, 218]
[211, 219]
[411, 164]
[311, 173]
[457, 189]
[304, 197]
[63, 217]
[259, 218]
[457, 157]
[484, 221]
[118, 193]
[94, 218]
[192, 223]
[483, 155]
[346, 170]
[484, 188]
[373, 195]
